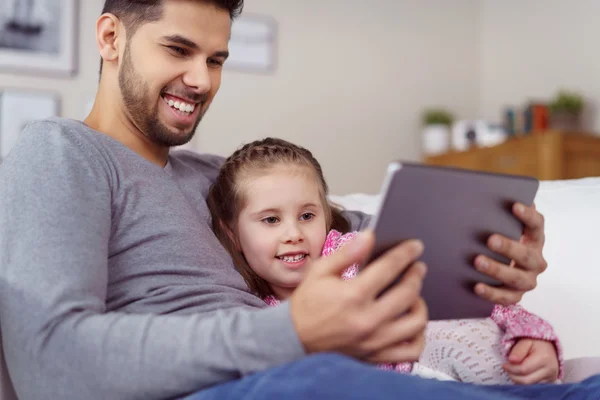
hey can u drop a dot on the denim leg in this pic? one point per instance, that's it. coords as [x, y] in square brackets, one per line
[589, 389]
[331, 376]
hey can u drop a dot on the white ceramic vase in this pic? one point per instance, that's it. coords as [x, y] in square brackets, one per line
[435, 139]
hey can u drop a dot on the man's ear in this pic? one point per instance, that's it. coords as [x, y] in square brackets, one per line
[230, 234]
[109, 36]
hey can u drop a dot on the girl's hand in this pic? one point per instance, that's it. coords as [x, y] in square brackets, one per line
[532, 361]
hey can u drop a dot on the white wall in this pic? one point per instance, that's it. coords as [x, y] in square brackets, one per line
[532, 48]
[353, 76]
[352, 79]
[75, 91]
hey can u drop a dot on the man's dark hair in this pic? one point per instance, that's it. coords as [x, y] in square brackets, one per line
[135, 13]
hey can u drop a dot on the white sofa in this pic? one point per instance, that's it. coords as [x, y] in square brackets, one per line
[568, 293]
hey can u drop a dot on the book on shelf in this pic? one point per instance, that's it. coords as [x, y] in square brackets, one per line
[531, 119]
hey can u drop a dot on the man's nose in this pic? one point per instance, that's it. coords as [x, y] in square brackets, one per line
[198, 78]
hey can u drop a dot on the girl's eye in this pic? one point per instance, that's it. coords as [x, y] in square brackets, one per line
[270, 220]
[307, 216]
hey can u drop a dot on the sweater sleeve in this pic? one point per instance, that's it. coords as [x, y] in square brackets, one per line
[59, 340]
[518, 323]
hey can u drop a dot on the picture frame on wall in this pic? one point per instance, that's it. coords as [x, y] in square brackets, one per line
[253, 44]
[39, 36]
[18, 107]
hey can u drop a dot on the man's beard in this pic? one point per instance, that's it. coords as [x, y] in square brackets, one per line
[144, 111]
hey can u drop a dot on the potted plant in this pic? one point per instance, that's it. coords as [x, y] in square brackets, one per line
[565, 111]
[436, 130]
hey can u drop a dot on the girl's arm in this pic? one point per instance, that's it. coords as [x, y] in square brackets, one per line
[518, 323]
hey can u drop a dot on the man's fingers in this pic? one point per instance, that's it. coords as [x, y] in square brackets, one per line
[400, 329]
[514, 278]
[501, 296]
[402, 296]
[408, 351]
[379, 274]
[527, 257]
[533, 220]
[352, 253]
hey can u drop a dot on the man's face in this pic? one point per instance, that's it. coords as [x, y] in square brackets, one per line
[171, 70]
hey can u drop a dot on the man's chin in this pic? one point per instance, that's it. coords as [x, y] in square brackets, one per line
[175, 135]
[170, 137]
[178, 140]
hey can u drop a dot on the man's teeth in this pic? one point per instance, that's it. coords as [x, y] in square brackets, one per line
[296, 258]
[181, 106]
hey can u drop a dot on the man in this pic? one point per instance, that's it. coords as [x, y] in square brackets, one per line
[112, 285]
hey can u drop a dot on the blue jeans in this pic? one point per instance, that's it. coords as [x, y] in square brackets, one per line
[329, 376]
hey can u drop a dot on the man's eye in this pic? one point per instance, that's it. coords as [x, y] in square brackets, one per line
[307, 216]
[180, 51]
[270, 220]
[215, 63]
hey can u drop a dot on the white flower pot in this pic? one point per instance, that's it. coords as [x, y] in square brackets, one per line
[435, 139]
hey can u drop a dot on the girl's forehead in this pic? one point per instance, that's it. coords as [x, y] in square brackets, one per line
[280, 173]
[280, 183]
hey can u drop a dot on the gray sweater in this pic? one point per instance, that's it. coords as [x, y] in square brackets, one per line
[112, 284]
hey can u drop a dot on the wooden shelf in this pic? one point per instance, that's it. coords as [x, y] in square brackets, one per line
[546, 155]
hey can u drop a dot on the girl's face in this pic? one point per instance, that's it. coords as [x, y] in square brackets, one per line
[281, 228]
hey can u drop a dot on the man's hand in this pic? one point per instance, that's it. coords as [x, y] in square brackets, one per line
[532, 361]
[349, 317]
[528, 261]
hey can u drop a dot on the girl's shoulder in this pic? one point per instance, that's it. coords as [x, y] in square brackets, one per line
[271, 300]
[335, 240]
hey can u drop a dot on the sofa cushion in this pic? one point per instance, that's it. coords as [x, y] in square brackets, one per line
[567, 294]
[579, 369]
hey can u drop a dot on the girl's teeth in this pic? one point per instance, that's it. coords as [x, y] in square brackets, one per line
[294, 258]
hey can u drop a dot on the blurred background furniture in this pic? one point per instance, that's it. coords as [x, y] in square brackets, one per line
[550, 155]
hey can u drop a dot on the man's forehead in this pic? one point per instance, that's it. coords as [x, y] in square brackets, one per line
[194, 10]
[193, 20]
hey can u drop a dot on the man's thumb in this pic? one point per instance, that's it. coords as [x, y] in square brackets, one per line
[354, 252]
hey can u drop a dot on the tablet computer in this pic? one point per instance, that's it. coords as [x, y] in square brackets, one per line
[453, 211]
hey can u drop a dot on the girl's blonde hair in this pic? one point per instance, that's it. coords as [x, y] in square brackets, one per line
[225, 199]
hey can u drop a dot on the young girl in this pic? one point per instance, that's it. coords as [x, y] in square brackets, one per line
[270, 211]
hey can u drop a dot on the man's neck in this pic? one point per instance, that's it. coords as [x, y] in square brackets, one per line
[110, 119]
